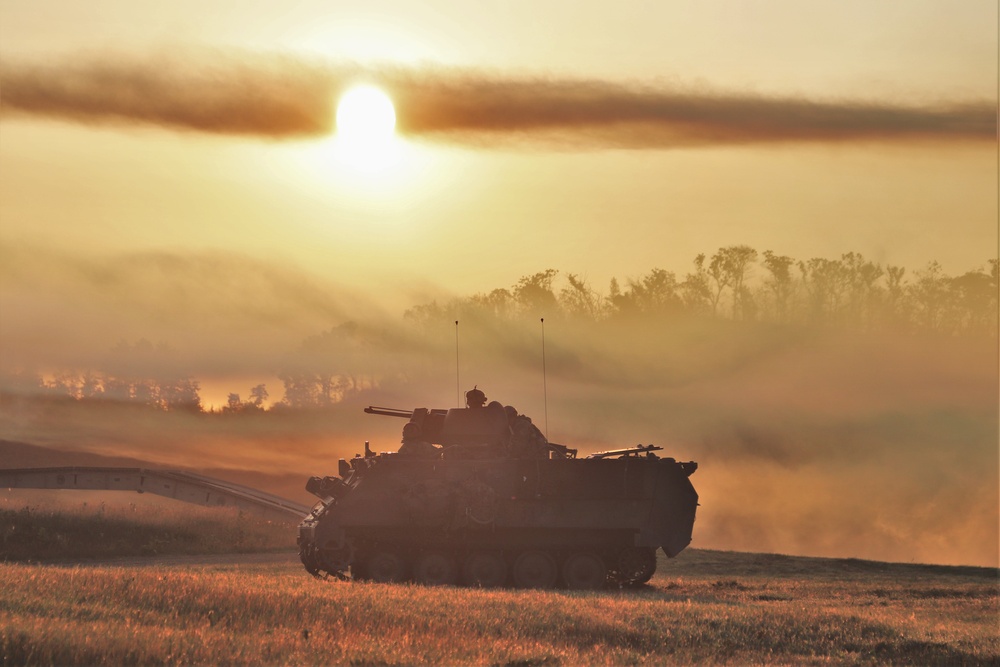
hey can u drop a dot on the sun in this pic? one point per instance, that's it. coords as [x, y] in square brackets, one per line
[366, 121]
[365, 113]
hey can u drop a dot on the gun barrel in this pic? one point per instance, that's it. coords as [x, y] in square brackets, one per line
[389, 412]
[631, 451]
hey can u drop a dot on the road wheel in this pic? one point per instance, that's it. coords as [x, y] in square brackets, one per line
[635, 566]
[486, 569]
[435, 569]
[386, 567]
[358, 570]
[535, 569]
[584, 571]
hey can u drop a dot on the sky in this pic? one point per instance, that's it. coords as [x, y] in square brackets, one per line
[98, 185]
[594, 140]
[171, 172]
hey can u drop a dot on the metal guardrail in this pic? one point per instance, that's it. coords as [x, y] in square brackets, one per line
[180, 485]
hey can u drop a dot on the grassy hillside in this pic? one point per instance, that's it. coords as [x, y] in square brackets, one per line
[61, 530]
[703, 607]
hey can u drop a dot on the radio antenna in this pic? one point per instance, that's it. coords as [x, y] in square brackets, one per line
[458, 379]
[545, 388]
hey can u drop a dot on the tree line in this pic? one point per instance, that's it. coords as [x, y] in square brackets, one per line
[737, 283]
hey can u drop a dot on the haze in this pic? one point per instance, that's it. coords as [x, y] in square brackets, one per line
[173, 204]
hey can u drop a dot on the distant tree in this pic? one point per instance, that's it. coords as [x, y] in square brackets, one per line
[144, 391]
[747, 304]
[861, 277]
[498, 304]
[975, 296]
[656, 293]
[301, 390]
[614, 298]
[180, 394]
[720, 279]
[780, 283]
[930, 293]
[233, 404]
[258, 396]
[896, 298]
[427, 312]
[534, 296]
[346, 359]
[579, 300]
[91, 386]
[696, 291]
[734, 264]
[824, 284]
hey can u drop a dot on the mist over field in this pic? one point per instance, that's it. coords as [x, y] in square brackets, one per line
[860, 429]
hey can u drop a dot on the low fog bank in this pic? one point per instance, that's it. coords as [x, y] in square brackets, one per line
[208, 313]
[810, 440]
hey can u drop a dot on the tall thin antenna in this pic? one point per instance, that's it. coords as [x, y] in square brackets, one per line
[545, 388]
[458, 379]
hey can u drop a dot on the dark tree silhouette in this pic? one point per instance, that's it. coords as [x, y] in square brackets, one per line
[534, 296]
[780, 284]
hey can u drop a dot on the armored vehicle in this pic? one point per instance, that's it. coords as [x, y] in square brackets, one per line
[477, 496]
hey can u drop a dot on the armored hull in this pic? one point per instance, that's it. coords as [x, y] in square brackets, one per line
[473, 517]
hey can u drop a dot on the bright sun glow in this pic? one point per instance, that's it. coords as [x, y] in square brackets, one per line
[365, 113]
[366, 122]
[365, 158]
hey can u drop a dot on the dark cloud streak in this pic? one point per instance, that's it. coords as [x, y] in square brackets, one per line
[606, 113]
[276, 97]
[283, 97]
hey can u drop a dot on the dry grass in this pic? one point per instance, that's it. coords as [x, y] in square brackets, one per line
[704, 607]
[61, 530]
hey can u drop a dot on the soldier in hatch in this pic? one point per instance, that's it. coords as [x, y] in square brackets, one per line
[414, 446]
[475, 398]
[526, 441]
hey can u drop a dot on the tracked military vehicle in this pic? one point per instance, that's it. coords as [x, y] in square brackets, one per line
[476, 496]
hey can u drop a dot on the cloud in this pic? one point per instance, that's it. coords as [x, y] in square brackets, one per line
[274, 97]
[287, 97]
[605, 113]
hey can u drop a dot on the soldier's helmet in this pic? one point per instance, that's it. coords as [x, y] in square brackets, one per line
[411, 431]
[511, 413]
[475, 398]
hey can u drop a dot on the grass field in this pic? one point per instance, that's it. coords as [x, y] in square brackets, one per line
[64, 528]
[703, 607]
